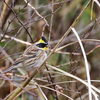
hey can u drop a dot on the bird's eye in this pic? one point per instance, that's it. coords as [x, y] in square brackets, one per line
[42, 45]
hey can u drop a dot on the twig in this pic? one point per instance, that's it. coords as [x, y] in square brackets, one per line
[57, 92]
[19, 20]
[51, 21]
[3, 14]
[9, 58]
[58, 50]
[77, 78]
[9, 22]
[97, 2]
[17, 31]
[37, 12]
[3, 82]
[46, 23]
[76, 61]
[29, 29]
[18, 90]
[17, 40]
[86, 63]
[6, 78]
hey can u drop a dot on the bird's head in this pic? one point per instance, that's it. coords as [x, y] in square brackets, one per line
[43, 44]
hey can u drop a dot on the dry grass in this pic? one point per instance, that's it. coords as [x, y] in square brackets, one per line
[72, 66]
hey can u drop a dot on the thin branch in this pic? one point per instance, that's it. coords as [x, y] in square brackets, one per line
[51, 21]
[97, 2]
[35, 72]
[86, 63]
[19, 20]
[57, 92]
[46, 23]
[17, 40]
[6, 78]
[3, 14]
[77, 78]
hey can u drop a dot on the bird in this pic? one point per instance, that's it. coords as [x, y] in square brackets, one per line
[32, 58]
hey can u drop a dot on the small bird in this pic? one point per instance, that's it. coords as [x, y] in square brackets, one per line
[32, 57]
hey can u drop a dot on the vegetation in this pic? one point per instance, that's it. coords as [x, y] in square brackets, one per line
[71, 70]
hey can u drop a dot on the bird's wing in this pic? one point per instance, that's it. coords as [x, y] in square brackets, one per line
[20, 59]
[30, 52]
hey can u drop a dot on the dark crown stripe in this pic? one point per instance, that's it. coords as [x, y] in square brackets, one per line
[43, 38]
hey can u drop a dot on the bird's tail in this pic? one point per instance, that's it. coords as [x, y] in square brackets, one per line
[9, 69]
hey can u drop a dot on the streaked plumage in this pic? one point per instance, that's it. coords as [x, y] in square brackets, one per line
[32, 57]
